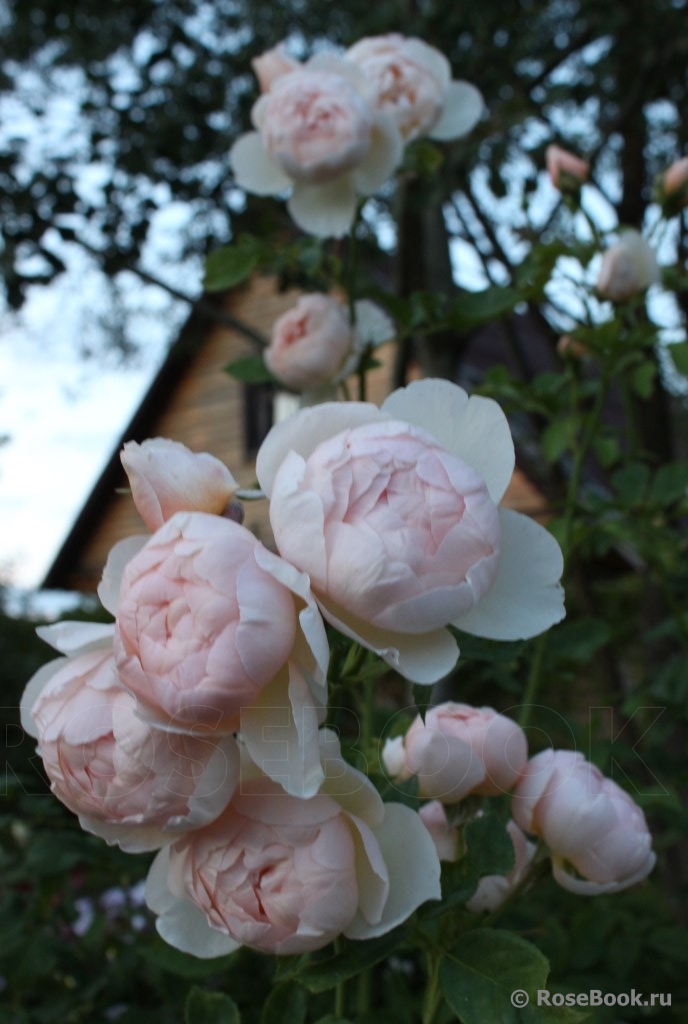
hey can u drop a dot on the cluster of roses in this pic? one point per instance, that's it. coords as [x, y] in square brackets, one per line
[194, 723]
[334, 128]
[588, 823]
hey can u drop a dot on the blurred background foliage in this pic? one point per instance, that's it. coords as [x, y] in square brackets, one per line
[158, 92]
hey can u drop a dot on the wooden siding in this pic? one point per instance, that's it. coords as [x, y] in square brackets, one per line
[206, 412]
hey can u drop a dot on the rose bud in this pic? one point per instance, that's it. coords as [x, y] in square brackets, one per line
[628, 268]
[459, 750]
[671, 188]
[166, 477]
[597, 834]
[309, 343]
[567, 172]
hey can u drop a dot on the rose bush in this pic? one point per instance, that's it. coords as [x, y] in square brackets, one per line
[589, 823]
[393, 514]
[287, 876]
[458, 750]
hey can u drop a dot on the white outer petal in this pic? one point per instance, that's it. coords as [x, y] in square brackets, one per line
[463, 108]
[253, 168]
[305, 430]
[475, 429]
[280, 734]
[383, 156]
[326, 211]
[420, 657]
[583, 887]
[526, 597]
[313, 654]
[122, 552]
[33, 689]
[77, 637]
[353, 790]
[180, 923]
[413, 867]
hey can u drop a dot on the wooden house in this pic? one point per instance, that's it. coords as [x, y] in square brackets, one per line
[193, 400]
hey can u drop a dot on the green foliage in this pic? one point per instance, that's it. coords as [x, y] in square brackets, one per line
[250, 370]
[210, 1008]
[229, 266]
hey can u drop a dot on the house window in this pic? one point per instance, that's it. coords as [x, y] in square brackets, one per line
[258, 416]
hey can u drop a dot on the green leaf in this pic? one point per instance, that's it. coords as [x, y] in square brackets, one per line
[331, 1019]
[249, 369]
[558, 437]
[286, 1004]
[630, 483]
[210, 1008]
[183, 965]
[324, 974]
[643, 379]
[479, 977]
[230, 265]
[473, 308]
[607, 450]
[422, 698]
[670, 484]
[679, 354]
[580, 641]
[489, 851]
[478, 649]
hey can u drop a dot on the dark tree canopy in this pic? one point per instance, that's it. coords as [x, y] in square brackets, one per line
[151, 96]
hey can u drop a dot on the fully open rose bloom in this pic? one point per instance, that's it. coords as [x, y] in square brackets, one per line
[459, 750]
[130, 784]
[590, 824]
[627, 269]
[412, 82]
[167, 477]
[287, 876]
[214, 631]
[317, 135]
[393, 514]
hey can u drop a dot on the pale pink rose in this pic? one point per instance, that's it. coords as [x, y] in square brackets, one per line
[309, 343]
[434, 817]
[288, 876]
[590, 824]
[271, 65]
[412, 82]
[459, 750]
[627, 269]
[494, 889]
[674, 183]
[393, 515]
[130, 784]
[317, 135]
[166, 477]
[565, 169]
[213, 630]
